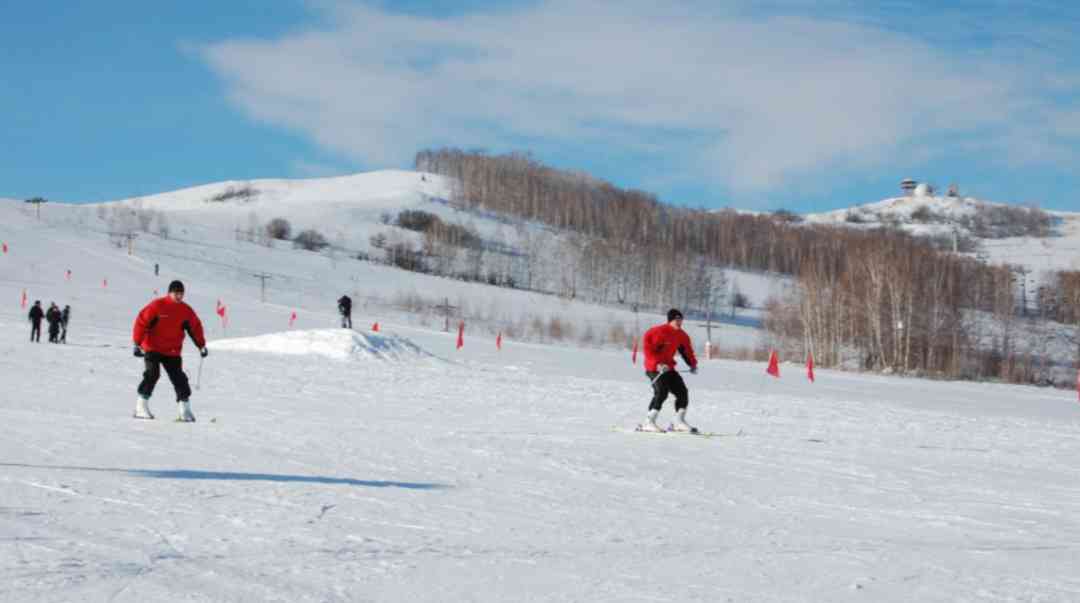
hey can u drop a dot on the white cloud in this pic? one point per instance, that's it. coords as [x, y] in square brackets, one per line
[750, 104]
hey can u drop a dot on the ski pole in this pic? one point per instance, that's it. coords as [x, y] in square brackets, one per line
[198, 379]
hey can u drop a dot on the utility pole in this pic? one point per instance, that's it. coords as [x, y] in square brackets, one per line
[37, 201]
[446, 308]
[262, 276]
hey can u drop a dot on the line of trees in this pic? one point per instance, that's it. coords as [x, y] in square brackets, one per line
[881, 298]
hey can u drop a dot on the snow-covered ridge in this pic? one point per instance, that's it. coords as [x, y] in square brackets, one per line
[363, 188]
[337, 344]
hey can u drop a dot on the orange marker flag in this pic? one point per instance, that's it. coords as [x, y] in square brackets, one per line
[774, 364]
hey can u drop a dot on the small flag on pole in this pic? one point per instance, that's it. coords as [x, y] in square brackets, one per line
[68, 275]
[105, 283]
[5, 247]
[461, 335]
[292, 319]
[24, 305]
[774, 364]
[810, 366]
[375, 327]
[498, 341]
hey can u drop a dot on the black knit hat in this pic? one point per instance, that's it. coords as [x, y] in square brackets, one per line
[176, 286]
[672, 314]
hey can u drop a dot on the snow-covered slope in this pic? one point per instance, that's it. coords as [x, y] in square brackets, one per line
[928, 215]
[330, 465]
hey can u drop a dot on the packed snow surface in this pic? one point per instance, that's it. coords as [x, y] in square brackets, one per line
[334, 465]
[338, 344]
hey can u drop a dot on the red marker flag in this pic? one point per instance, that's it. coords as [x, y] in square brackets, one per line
[1077, 371]
[5, 247]
[24, 305]
[810, 366]
[375, 327]
[774, 364]
[292, 319]
[633, 354]
[461, 335]
[498, 341]
[68, 275]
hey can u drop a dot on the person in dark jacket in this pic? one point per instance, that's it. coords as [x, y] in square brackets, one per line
[53, 317]
[661, 343]
[35, 316]
[65, 316]
[344, 307]
[159, 339]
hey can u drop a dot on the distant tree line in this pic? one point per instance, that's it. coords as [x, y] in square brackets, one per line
[884, 298]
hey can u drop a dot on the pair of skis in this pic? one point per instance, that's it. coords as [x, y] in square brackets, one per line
[669, 431]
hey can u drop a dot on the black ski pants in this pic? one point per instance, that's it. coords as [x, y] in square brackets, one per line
[173, 368]
[669, 382]
[346, 321]
[35, 330]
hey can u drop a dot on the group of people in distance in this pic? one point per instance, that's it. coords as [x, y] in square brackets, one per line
[57, 319]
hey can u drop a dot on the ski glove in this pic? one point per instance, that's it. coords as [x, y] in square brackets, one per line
[138, 351]
[693, 370]
[204, 352]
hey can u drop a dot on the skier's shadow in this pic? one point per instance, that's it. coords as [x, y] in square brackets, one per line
[237, 476]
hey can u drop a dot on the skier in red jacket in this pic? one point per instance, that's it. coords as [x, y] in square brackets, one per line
[660, 344]
[159, 337]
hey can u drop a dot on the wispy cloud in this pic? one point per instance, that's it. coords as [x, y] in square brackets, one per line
[746, 102]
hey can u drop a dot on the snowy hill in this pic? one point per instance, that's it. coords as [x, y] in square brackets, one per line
[945, 216]
[335, 465]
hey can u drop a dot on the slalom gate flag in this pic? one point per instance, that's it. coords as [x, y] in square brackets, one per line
[498, 341]
[221, 312]
[292, 319]
[461, 335]
[375, 327]
[24, 305]
[774, 364]
[633, 353]
[5, 247]
[68, 275]
[104, 283]
[810, 366]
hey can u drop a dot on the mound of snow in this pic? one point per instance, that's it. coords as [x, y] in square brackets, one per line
[338, 344]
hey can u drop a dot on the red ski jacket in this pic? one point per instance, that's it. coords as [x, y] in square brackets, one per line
[660, 344]
[161, 325]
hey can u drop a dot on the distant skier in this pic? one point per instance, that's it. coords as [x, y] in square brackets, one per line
[344, 307]
[53, 317]
[35, 316]
[159, 338]
[65, 316]
[660, 344]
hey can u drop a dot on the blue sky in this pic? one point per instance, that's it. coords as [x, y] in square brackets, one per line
[791, 104]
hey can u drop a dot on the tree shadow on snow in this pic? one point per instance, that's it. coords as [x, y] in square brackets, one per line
[237, 476]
